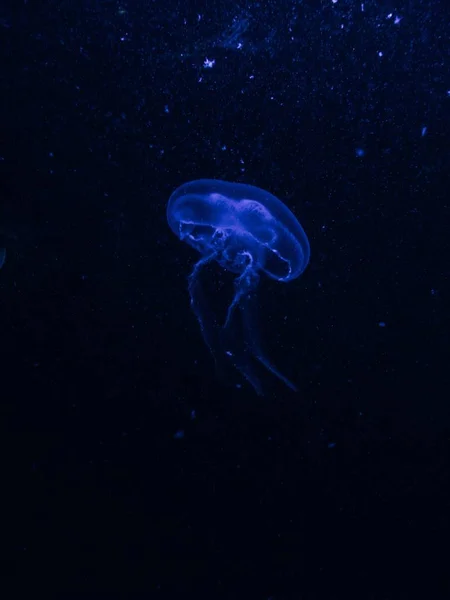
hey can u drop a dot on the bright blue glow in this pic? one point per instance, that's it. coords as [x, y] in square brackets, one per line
[246, 231]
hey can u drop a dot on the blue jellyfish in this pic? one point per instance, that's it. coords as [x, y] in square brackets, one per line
[247, 231]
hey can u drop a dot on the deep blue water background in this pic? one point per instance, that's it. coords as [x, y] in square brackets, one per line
[127, 464]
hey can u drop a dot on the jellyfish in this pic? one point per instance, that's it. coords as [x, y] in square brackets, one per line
[248, 232]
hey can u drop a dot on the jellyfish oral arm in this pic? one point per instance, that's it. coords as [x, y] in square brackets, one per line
[245, 298]
[200, 306]
[241, 354]
[244, 284]
[251, 336]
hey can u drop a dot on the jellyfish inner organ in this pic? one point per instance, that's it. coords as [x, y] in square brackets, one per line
[247, 231]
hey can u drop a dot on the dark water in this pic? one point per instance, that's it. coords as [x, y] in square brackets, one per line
[129, 464]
